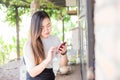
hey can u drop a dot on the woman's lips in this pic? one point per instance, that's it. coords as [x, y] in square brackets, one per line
[47, 33]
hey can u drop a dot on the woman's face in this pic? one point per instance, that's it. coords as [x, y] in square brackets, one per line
[46, 28]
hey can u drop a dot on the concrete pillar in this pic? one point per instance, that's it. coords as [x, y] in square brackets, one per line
[107, 39]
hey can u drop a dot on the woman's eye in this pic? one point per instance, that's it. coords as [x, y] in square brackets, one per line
[49, 26]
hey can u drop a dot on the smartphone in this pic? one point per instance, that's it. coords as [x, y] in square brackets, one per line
[61, 46]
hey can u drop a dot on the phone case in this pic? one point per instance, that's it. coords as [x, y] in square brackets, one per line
[61, 45]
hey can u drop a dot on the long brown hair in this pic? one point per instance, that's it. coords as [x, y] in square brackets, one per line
[35, 31]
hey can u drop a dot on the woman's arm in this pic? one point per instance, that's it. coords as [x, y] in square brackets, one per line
[33, 69]
[64, 59]
[39, 68]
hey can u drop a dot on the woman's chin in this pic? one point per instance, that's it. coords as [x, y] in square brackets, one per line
[46, 36]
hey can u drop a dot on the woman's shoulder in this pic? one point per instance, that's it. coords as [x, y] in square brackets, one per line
[27, 46]
[27, 43]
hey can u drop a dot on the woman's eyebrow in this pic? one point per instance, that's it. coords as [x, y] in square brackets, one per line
[49, 23]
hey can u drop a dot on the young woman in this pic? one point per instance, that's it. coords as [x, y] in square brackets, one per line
[41, 48]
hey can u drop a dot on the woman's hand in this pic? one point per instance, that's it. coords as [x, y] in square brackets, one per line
[63, 49]
[50, 54]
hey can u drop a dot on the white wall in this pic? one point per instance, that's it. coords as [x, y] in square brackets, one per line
[107, 39]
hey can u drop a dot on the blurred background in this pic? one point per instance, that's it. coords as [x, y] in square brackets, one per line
[90, 27]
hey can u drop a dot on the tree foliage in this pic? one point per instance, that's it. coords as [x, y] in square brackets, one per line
[23, 7]
[4, 51]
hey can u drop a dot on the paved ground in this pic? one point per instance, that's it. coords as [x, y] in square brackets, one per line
[11, 71]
